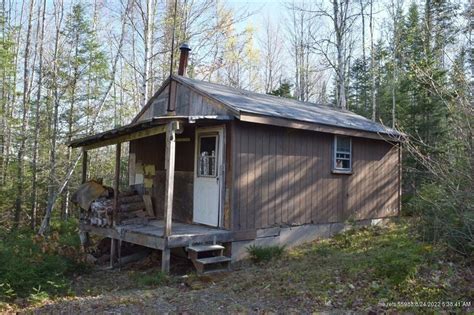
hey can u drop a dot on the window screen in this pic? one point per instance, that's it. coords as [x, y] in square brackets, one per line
[342, 153]
[207, 162]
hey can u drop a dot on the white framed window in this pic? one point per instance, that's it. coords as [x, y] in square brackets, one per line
[342, 157]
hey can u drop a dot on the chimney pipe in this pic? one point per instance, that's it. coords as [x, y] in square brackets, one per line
[183, 59]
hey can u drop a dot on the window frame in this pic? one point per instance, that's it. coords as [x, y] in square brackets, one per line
[338, 170]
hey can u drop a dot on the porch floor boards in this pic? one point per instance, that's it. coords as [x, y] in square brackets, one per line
[151, 234]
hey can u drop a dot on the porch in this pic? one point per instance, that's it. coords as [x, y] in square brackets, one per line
[156, 142]
[151, 234]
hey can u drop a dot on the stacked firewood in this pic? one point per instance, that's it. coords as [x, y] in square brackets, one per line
[131, 209]
[101, 212]
[131, 206]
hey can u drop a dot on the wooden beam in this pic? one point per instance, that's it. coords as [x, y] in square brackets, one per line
[171, 106]
[281, 122]
[118, 151]
[400, 170]
[169, 166]
[151, 241]
[245, 235]
[84, 166]
[112, 252]
[128, 137]
[165, 260]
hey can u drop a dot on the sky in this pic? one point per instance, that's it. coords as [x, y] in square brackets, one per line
[262, 8]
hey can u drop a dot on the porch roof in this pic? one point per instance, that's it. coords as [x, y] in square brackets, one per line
[133, 131]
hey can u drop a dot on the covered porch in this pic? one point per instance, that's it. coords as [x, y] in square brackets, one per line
[162, 232]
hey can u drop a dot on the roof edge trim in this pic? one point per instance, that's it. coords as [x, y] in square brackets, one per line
[298, 124]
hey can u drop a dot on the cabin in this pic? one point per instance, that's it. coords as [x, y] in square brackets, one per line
[227, 168]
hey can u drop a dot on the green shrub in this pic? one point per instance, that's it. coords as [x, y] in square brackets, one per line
[265, 253]
[35, 267]
[398, 260]
[446, 216]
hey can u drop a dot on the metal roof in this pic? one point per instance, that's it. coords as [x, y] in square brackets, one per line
[268, 105]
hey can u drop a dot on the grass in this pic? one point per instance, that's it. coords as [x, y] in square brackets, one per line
[367, 267]
[265, 253]
[150, 279]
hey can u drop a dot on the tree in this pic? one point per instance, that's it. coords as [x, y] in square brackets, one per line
[372, 60]
[338, 41]
[25, 119]
[86, 63]
[358, 96]
[7, 57]
[34, 166]
[284, 90]
[271, 48]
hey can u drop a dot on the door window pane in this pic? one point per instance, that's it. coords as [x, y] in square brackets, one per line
[207, 162]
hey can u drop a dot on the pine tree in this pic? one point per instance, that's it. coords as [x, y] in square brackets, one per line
[359, 96]
[83, 74]
[284, 90]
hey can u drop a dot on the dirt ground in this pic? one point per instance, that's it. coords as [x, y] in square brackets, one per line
[210, 294]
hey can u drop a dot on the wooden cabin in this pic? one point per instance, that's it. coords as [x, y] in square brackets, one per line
[227, 168]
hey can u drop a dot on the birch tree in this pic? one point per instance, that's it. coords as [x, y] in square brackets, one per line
[24, 117]
[272, 53]
[372, 59]
[340, 18]
[34, 167]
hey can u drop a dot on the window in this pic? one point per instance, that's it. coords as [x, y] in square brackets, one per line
[207, 156]
[342, 154]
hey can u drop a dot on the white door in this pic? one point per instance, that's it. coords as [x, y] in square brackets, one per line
[208, 176]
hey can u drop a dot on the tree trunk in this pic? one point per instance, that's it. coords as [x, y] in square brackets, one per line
[24, 125]
[54, 132]
[340, 67]
[148, 32]
[34, 192]
[364, 56]
[70, 122]
[372, 61]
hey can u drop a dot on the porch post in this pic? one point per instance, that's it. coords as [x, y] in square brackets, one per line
[118, 150]
[170, 156]
[83, 235]
[84, 166]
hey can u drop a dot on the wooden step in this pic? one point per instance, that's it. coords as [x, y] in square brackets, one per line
[213, 260]
[205, 248]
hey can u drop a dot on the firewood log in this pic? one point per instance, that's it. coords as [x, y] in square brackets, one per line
[132, 206]
[130, 199]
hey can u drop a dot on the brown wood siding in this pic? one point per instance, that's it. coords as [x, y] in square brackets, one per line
[151, 150]
[201, 105]
[283, 176]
